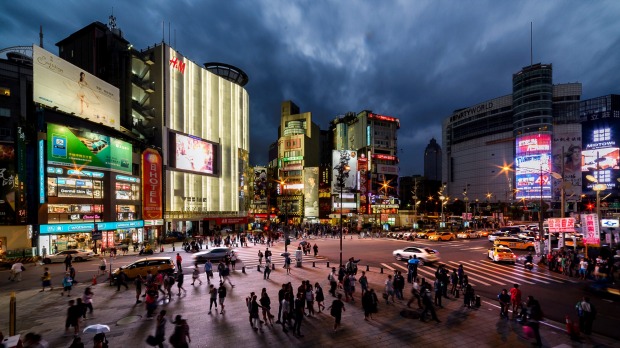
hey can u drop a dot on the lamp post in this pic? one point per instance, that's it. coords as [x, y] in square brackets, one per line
[285, 227]
[342, 173]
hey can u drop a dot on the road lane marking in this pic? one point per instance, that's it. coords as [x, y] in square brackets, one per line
[431, 275]
[530, 274]
[501, 276]
[387, 266]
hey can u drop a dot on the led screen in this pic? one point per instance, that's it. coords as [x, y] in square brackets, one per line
[567, 159]
[533, 166]
[343, 159]
[192, 154]
[601, 152]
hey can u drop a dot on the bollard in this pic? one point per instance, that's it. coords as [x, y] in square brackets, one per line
[327, 264]
[243, 269]
[273, 266]
[381, 270]
[367, 268]
[313, 265]
[12, 314]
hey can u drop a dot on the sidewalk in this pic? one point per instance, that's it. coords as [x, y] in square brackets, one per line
[44, 313]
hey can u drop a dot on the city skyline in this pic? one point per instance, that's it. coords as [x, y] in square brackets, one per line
[416, 61]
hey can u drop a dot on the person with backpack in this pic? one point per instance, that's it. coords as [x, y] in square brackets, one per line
[586, 313]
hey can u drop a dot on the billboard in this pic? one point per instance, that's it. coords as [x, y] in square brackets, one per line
[74, 148]
[8, 184]
[151, 185]
[601, 152]
[533, 166]
[311, 192]
[192, 154]
[342, 158]
[566, 151]
[60, 84]
[260, 185]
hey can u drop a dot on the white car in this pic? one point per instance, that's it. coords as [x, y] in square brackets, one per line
[425, 255]
[467, 235]
[76, 254]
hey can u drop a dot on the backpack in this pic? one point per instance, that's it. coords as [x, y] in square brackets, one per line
[171, 280]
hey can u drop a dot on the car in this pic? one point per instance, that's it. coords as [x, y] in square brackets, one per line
[515, 243]
[425, 255]
[468, 234]
[484, 233]
[499, 253]
[493, 236]
[214, 254]
[142, 266]
[408, 236]
[441, 236]
[77, 255]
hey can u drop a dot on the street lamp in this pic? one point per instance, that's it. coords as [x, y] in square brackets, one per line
[342, 173]
[285, 227]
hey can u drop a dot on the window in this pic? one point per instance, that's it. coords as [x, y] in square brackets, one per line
[4, 112]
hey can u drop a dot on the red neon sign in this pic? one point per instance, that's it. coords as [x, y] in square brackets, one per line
[177, 64]
[384, 157]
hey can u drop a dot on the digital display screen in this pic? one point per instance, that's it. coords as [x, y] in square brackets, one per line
[192, 154]
[601, 152]
[533, 166]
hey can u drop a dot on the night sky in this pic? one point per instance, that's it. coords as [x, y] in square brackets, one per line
[415, 60]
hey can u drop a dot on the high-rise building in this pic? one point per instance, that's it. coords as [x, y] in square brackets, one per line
[432, 161]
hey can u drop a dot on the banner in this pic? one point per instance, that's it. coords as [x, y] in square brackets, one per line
[340, 159]
[311, 192]
[590, 228]
[562, 225]
[151, 185]
[8, 184]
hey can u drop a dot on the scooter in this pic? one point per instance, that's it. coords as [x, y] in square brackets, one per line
[529, 265]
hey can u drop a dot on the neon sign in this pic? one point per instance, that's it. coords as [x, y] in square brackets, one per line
[384, 157]
[177, 64]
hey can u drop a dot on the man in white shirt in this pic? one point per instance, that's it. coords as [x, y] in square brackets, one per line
[16, 272]
[583, 267]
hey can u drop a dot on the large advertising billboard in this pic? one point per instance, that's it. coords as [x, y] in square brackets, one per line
[311, 192]
[567, 162]
[341, 159]
[60, 84]
[192, 154]
[601, 151]
[260, 185]
[8, 184]
[533, 166]
[74, 148]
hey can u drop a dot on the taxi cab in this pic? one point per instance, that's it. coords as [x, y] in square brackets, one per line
[142, 266]
[441, 236]
[499, 253]
[515, 243]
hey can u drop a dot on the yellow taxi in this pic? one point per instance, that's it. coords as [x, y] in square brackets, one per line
[441, 236]
[515, 243]
[142, 266]
[500, 253]
[483, 233]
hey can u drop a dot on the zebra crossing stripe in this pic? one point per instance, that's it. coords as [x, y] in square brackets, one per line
[431, 275]
[502, 275]
[387, 266]
[534, 276]
[400, 266]
[475, 277]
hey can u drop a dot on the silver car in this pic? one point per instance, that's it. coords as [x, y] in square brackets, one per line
[214, 254]
[425, 255]
[76, 254]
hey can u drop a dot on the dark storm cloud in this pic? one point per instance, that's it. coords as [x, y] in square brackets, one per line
[415, 60]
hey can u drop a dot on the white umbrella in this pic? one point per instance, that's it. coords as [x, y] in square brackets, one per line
[97, 328]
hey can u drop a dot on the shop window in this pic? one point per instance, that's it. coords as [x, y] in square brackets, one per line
[5, 91]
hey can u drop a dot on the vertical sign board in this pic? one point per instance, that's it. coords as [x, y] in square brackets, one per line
[20, 179]
[41, 171]
[311, 192]
[151, 185]
[591, 229]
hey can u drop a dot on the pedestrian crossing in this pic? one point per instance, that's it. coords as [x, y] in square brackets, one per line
[486, 273]
[248, 257]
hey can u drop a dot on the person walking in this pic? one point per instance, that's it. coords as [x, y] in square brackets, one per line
[209, 271]
[504, 303]
[179, 262]
[150, 301]
[73, 318]
[515, 299]
[389, 290]
[333, 281]
[309, 295]
[46, 280]
[196, 276]
[399, 285]
[260, 258]
[138, 283]
[68, 260]
[428, 306]
[121, 280]
[16, 271]
[220, 269]
[287, 264]
[226, 277]
[316, 250]
[87, 301]
[233, 260]
[265, 302]
[253, 308]
[160, 329]
[336, 309]
[535, 315]
[221, 292]
[369, 303]
[438, 292]
[299, 314]
[415, 294]
[285, 309]
[319, 296]
[212, 298]
[180, 337]
[363, 283]
[102, 266]
[412, 268]
[67, 284]
[587, 313]
[267, 270]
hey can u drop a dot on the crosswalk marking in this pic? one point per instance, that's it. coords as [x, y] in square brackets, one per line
[387, 266]
[533, 275]
[491, 273]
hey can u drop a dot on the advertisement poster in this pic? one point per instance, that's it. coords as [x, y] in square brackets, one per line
[8, 184]
[193, 154]
[311, 192]
[60, 84]
[601, 150]
[151, 185]
[83, 149]
[567, 163]
[591, 229]
[342, 159]
[557, 225]
[533, 166]
[260, 185]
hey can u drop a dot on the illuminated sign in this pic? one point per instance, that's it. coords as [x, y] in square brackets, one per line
[177, 64]
[127, 178]
[41, 171]
[533, 166]
[384, 157]
[384, 118]
[293, 186]
[341, 159]
[82, 173]
[534, 143]
[62, 85]
[590, 228]
[294, 158]
[88, 227]
[561, 225]
[151, 185]
[601, 150]
[610, 223]
[387, 169]
[192, 154]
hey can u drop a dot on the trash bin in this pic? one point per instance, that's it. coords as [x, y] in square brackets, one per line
[478, 301]
[298, 257]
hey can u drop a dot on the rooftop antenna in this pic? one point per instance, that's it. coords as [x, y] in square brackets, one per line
[163, 31]
[169, 34]
[41, 36]
[531, 46]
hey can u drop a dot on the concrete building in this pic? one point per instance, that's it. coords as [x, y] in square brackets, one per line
[432, 161]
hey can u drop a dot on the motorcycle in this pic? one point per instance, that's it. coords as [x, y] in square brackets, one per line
[146, 251]
[529, 265]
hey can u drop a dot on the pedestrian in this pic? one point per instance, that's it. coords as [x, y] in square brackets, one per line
[102, 266]
[67, 284]
[220, 269]
[209, 271]
[316, 250]
[196, 276]
[437, 286]
[389, 290]
[72, 273]
[285, 309]
[363, 283]
[515, 299]
[16, 271]
[319, 297]
[138, 283]
[352, 283]
[346, 287]
[428, 306]
[309, 295]
[77, 343]
[87, 300]
[287, 264]
[412, 268]
[369, 304]
[583, 268]
[299, 314]
[399, 285]
[221, 292]
[468, 296]
[260, 257]
[180, 337]
[587, 313]
[281, 294]
[212, 298]
[73, 318]
[180, 279]
[336, 309]
[535, 315]
[100, 341]
[454, 282]
[233, 260]
[253, 307]
[226, 277]
[504, 303]
[68, 260]
[46, 280]
[265, 302]
[267, 270]
[179, 261]
[121, 280]
[415, 294]
[160, 328]
[151, 301]
[333, 282]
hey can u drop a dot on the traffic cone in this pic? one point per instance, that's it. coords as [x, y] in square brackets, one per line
[94, 280]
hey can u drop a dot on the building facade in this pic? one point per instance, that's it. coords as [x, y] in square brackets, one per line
[432, 161]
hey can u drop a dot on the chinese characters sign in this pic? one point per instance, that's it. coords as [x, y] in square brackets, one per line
[591, 230]
[562, 225]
